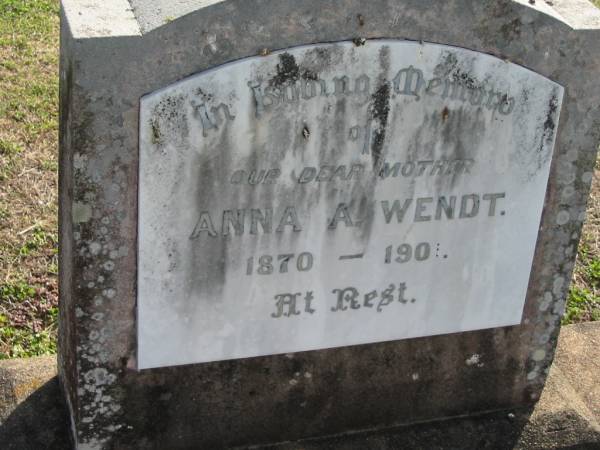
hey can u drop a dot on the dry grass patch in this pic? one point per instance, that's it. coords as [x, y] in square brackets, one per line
[584, 296]
[28, 176]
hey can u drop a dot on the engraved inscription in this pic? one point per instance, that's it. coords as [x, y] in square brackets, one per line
[218, 115]
[338, 194]
[408, 81]
[421, 209]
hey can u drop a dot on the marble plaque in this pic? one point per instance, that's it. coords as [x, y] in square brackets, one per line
[338, 194]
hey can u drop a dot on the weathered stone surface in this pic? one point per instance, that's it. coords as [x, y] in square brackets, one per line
[561, 419]
[580, 14]
[158, 12]
[275, 398]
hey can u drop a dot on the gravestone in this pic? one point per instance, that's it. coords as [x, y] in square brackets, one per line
[289, 219]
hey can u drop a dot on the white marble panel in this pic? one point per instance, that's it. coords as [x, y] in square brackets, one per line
[338, 194]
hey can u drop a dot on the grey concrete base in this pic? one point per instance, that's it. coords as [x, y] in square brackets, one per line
[33, 416]
[32, 410]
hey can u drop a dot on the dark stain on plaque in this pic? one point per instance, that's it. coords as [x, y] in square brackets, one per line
[287, 70]
[380, 110]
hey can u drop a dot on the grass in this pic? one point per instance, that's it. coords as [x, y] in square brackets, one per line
[584, 295]
[28, 177]
[28, 188]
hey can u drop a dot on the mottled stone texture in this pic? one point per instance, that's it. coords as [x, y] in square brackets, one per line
[108, 64]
